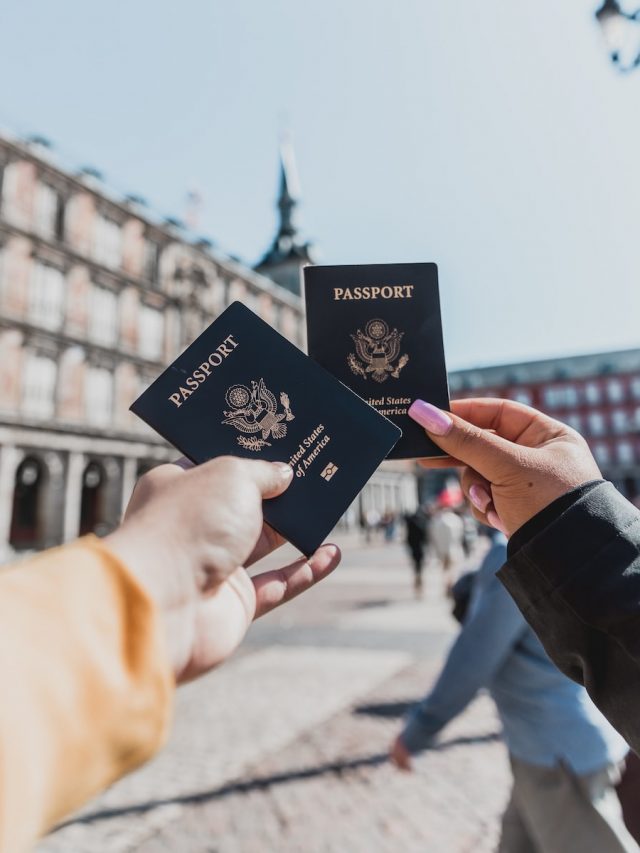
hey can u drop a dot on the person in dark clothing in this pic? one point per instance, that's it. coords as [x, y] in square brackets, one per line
[573, 558]
[416, 539]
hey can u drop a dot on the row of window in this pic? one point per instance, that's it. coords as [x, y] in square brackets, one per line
[571, 396]
[623, 453]
[47, 291]
[48, 219]
[614, 391]
[620, 422]
[39, 390]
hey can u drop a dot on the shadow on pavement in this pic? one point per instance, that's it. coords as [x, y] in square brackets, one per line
[263, 782]
[385, 709]
[369, 604]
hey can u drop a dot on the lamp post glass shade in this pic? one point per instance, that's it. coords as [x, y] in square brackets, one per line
[620, 33]
[608, 9]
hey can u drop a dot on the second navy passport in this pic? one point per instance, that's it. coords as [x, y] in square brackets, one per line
[377, 328]
[241, 389]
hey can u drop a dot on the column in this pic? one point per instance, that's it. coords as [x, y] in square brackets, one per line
[51, 502]
[129, 471]
[73, 495]
[10, 459]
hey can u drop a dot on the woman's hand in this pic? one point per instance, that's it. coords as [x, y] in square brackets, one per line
[400, 756]
[187, 536]
[517, 460]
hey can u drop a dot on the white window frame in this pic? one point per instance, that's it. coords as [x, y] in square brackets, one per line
[592, 393]
[625, 453]
[39, 386]
[45, 210]
[98, 397]
[615, 391]
[103, 317]
[107, 245]
[46, 295]
[151, 338]
[597, 423]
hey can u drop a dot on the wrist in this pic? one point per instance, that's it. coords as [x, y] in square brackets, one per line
[162, 569]
[165, 582]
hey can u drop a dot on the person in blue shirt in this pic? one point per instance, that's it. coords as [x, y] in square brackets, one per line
[565, 757]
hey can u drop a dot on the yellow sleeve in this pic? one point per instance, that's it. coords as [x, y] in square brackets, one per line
[85, 684]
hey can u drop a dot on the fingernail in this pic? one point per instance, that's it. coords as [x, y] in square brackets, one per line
[430, 417]
[494, 521]
[285, 470]
[479, 497]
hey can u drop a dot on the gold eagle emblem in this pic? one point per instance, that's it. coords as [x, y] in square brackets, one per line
[376, 351]
[256, 411]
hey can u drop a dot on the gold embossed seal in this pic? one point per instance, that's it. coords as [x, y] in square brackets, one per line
[377, 350]
[255, 410]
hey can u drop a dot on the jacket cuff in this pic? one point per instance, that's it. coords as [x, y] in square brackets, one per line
[550, 513]
[419, 731]
[572, 558]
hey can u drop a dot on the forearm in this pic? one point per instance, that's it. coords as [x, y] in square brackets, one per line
[577, 581]
[86, 684]
[477, 654]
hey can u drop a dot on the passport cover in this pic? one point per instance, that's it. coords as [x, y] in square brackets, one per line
[377, 328]
[241, 389]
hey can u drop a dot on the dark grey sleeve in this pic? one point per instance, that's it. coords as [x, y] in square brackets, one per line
[577, 583]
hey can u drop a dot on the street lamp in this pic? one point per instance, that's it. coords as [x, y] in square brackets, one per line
[618, 30]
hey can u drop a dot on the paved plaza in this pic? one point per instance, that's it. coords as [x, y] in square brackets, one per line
[283, 750]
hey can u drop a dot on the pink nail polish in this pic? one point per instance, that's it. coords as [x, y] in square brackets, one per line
[479, 497]
[434, 420]
[494, 521]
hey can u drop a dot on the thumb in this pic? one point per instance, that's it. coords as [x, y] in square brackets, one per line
[271, 478]
[478, 448]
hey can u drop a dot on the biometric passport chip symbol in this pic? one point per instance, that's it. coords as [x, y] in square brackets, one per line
[377, 349]
[256, 411]
[329, 471]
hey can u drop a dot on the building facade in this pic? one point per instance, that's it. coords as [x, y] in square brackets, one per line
[96, 298]
[598, 395]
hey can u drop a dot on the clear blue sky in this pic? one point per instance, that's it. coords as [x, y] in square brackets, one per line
[493, 138]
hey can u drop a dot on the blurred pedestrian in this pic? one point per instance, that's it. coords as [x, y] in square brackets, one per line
[565, 757]
[388, 524]
[371, 522]
[469, 530]
[416, 524]
[445, 537]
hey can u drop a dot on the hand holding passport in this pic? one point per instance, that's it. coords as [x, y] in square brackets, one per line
[241, 389]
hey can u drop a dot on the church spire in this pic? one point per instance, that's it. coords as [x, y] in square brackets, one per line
[288, 252]
[289, 189]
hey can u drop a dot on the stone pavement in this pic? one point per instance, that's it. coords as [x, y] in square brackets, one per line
[283, 750]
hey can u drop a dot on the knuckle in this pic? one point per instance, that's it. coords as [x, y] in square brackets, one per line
[464, 439]
[150, 482]
[229, 465]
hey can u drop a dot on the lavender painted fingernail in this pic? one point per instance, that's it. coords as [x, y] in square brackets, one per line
[494, 521]
[479, 497]
[434, 420]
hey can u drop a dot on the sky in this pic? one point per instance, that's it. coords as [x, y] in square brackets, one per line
[493, 138]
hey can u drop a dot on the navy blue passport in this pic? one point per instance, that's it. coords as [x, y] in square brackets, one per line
[377, 328]
[241, 389]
